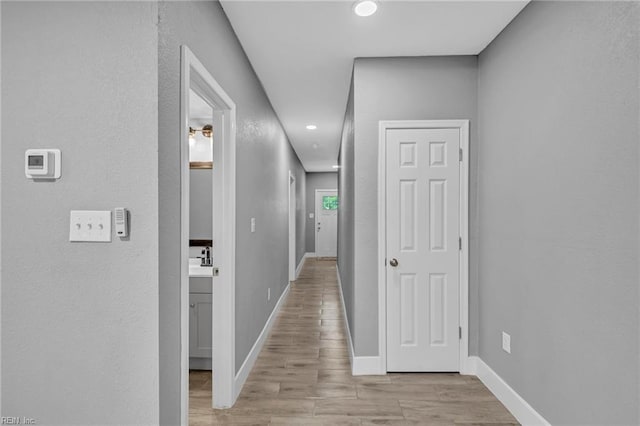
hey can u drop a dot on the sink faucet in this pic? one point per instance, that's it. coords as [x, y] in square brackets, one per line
[206, 257]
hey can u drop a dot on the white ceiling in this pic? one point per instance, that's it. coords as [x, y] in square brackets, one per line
[303, 53]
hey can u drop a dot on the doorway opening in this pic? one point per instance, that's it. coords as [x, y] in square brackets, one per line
[207, 283]
[326, 228]
[423, 236]
[292, 227]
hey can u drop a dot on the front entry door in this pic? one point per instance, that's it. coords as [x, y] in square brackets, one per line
[422, 222]
[326, 223]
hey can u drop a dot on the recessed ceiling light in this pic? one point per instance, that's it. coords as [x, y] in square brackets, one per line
[311, 127]
[365, 7]
[335, 166]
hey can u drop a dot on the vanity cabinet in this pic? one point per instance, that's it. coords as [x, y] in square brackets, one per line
[200, 325]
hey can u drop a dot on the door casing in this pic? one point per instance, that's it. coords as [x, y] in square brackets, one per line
[194, 75]
[292, 226]
[463, 126]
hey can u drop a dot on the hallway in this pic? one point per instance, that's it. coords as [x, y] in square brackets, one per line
[303, 375]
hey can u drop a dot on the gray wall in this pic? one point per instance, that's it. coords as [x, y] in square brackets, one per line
[80, 320]
[200, 204]
[559, 109]
[346, 216]
[264, 158]
[327, 180]
[399, 89]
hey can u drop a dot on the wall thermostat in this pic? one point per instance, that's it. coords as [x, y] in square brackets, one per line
[122, 222]
[42, 163]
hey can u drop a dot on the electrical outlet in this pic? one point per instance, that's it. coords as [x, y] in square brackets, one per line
[506, 342]
[268, 294]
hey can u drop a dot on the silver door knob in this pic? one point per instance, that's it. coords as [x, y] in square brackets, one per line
[393, 262]
[192, 305]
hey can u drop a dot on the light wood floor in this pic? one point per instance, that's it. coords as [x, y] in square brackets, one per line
[302, 376]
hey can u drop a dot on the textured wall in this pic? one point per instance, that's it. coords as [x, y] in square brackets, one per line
[264, 158]
[80, 320]
[559, 110]
[316, 181]
[346, 215]
[424, 88]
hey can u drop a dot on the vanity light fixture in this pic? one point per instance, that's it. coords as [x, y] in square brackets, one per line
[207, 131]
[311, 127]
[365, 7]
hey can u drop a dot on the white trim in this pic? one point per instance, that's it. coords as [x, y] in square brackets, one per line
[291, 214]
[463, 125]
[315, 219]
[360, 365]
[521, 410]
[251, 358]
[194, 75]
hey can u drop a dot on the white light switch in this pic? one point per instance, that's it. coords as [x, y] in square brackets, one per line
[311, 215]
[89, 225]
[253, 224]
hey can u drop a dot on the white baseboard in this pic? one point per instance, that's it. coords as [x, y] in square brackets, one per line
[301, 264]
[360, 365]
[251, 358]
[521, 410]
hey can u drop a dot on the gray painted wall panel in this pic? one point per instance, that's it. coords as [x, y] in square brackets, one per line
[80, 320]
[402, 89]
[346, 212]
[559, 110]
[326, 180]
[264, 158]
[200, 204]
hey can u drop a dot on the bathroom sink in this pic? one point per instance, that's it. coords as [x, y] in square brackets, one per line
[195, 270]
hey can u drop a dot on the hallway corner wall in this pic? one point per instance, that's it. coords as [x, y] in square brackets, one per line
[559, 110]
[264, 158]
[80, 320]
[346, 215]
[417, 88]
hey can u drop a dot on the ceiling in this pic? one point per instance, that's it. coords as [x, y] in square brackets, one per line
[303, 51]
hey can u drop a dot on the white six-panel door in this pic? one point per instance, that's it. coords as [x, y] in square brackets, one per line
[422, 215]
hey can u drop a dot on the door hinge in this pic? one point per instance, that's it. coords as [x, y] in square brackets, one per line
[459, 243]
[460, 155]
[459, 333]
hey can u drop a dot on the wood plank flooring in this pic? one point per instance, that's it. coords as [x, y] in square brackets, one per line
[303, 376]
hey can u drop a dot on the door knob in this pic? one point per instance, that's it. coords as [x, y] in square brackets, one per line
[393, 262]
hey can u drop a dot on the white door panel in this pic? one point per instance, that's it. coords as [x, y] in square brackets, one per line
[326, 223]
[422, 211]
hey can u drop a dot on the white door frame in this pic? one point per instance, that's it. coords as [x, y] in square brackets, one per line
[292, 226]
[463, 125]
[196, 77]
[317, 215]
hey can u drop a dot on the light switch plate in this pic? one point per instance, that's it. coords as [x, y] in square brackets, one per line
[90, 226]
[253, 224]
[506, 342]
